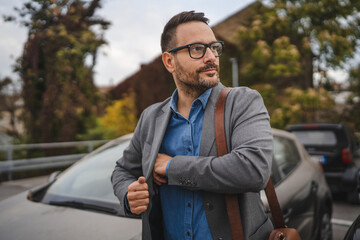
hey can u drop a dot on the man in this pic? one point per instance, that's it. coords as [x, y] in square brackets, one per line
[170, 173]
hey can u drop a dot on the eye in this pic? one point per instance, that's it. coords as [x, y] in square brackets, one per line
[197, 48]
[216, 46]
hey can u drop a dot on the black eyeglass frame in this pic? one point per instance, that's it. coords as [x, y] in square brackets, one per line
[174, 50]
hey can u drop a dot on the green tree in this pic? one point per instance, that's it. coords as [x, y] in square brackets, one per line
[295, 105]
[56, 67]
[287, 41]
[10, 96]
[352, 113]
[119, 119]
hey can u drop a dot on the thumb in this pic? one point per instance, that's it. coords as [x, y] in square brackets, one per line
[141, 180]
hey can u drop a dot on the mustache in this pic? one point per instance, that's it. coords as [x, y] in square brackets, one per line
[208, 66]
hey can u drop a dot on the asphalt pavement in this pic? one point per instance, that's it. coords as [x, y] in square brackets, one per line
[10, 188]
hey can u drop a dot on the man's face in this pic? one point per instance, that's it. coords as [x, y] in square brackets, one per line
[195, 74]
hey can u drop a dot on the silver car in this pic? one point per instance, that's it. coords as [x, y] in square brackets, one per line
[79, 203]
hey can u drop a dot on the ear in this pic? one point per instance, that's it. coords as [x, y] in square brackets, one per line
[168, 61]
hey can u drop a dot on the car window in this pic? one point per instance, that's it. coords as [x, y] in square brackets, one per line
[316, 137]
[286, 157]
[90, 179]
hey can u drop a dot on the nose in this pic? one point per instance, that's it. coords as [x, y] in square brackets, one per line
[209, 56]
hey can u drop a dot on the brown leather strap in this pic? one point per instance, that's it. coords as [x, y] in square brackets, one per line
[232, 204]
[274, 205]
[233, 211]
[219, 122]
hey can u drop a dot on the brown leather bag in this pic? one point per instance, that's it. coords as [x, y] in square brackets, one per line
[281, 232]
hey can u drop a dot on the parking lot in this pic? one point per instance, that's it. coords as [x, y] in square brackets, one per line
[343, 213]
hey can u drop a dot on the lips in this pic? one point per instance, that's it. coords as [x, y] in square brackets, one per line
[210, 68]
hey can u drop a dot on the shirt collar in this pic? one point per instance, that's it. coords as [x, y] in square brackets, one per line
[203, 98]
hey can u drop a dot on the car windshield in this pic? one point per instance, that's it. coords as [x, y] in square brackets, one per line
[89, 180]
[316, 137]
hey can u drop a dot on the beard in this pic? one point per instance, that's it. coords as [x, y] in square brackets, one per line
[191, 82]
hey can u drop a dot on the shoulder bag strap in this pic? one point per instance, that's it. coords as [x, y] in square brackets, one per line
[274, 205]
[232, 204]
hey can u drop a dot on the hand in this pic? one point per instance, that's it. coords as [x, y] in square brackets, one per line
[138, 196]
[159, 171]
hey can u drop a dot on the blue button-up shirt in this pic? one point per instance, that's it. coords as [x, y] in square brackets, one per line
[183, 210]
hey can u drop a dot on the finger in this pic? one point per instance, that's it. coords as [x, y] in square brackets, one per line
[138, 210]
[156, 178]
[142, 180]
[159, 178]
[136, 186]
[159, 175]
[138, 203]
[157, 182]
[138, 206]
[158, 170]
[137, 195]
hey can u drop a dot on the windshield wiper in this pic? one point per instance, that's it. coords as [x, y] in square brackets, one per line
[81, 205]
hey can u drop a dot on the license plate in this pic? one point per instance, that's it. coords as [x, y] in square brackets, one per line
[320, 159]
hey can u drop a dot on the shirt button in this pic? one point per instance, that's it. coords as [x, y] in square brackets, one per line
[209, 206]
[189, 149]
[187, 233]
[189, 204]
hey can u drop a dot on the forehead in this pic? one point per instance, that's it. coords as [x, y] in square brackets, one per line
[192, 32]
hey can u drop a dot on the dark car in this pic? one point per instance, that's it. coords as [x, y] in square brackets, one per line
[353, 232]
[336, 148]
[80, 204]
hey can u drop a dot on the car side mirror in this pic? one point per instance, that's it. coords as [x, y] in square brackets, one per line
[37, 193]
[53, 176]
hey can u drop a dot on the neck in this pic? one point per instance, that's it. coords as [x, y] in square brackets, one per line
[184, 102]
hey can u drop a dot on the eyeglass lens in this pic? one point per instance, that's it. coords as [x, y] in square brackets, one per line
[198, 50]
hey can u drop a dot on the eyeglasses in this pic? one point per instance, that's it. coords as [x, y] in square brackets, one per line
[197, 50]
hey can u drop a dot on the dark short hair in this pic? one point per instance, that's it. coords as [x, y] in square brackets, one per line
[168, 36]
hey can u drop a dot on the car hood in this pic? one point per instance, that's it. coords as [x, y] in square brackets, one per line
[23, 219]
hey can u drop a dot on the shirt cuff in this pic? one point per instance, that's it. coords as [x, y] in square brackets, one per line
[167, 167]
[126, 203]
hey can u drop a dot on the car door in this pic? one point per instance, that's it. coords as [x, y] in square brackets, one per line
[295, 187]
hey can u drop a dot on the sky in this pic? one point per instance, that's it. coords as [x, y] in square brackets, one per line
[133, 37]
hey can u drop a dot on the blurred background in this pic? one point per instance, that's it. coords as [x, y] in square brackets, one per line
[75, 74]
[85, 70]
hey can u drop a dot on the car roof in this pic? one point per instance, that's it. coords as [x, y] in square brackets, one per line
[275, 131]
[282, 133]
[312, 126]
[115, 141]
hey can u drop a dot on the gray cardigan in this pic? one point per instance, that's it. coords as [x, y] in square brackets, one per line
[245, 170]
